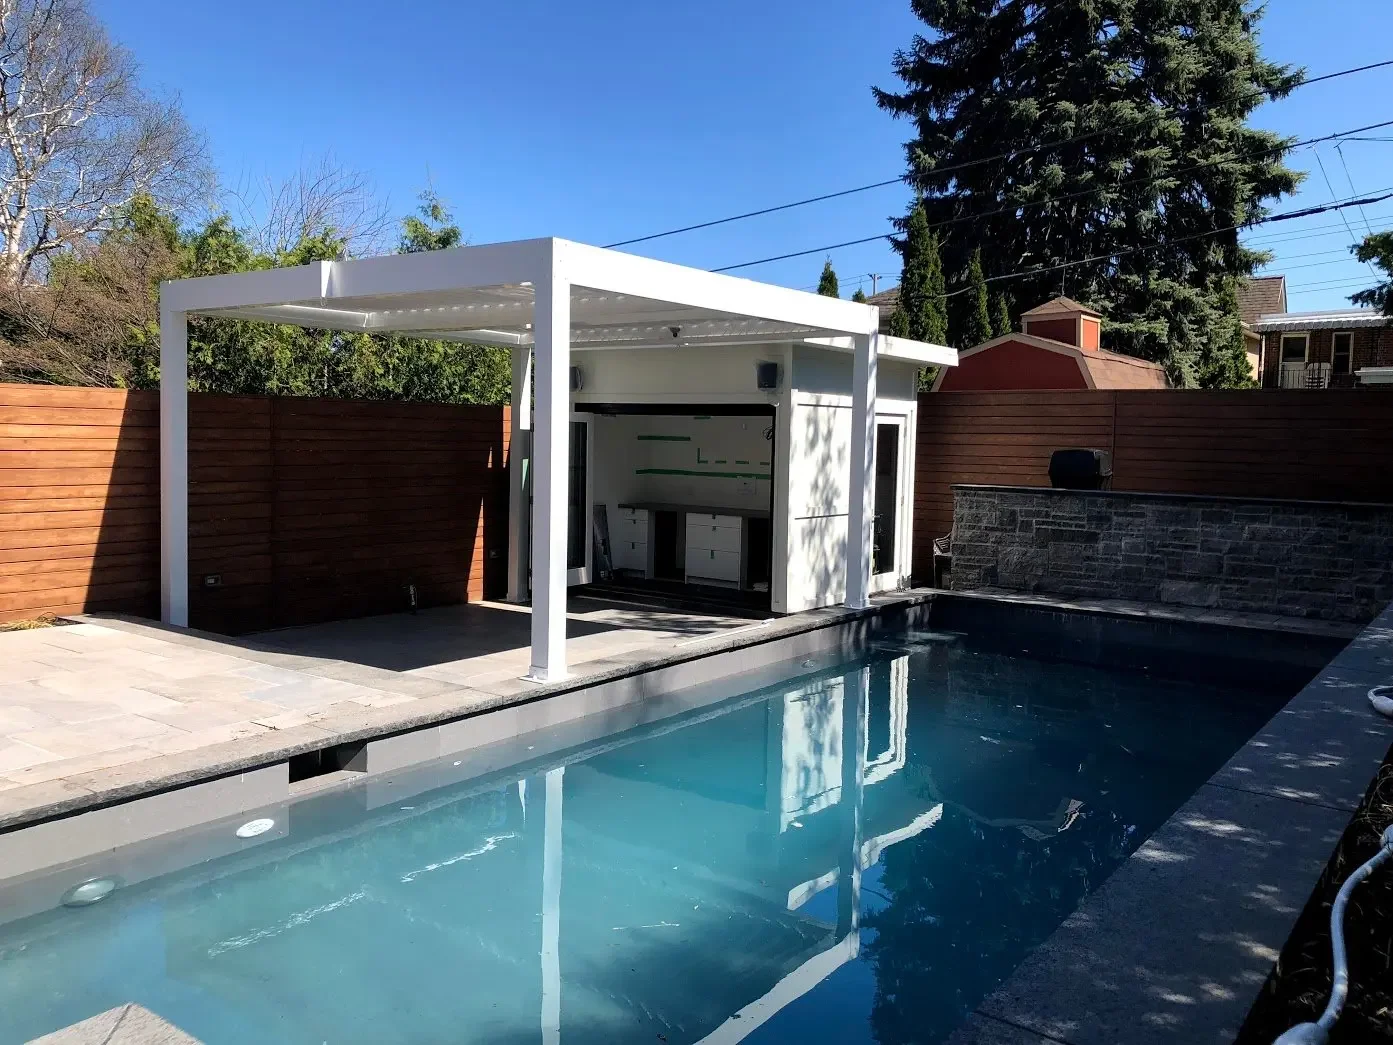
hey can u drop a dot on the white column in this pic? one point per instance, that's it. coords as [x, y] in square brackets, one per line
[174, 468]
[856, 696]
[861, 514]
[551, 909]
[551, 330]
[519, 460]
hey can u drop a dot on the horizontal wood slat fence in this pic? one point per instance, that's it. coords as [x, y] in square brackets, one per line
[315, 509]
[300, 509]
[1324, 445]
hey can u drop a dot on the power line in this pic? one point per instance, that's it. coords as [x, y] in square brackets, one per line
[1054, 199]
[1009, 155]
[1350, 178]
[1354, 240]
[1040, 270]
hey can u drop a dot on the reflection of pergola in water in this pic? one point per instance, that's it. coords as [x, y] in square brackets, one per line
[766, 918]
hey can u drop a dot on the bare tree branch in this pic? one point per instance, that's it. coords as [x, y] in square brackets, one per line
[79, 139]
[323, 195]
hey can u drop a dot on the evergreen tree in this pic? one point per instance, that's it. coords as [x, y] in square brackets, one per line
[1223, 363]
[828, 286]
[858, 295]
[1001, 318]
[976, 324]
[433, 229]
[1377, 249]
[1089, 127]
[922, 300]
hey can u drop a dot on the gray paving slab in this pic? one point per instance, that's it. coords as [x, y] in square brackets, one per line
[1177, 943]
[157, 707]
[1323, 747]
[128, 1024]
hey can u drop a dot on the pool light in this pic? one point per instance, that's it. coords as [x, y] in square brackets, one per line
[94, 890]
[252, 828]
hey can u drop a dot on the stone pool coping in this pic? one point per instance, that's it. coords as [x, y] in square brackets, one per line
[85, 791]
[1332, 629]
[1176, 944]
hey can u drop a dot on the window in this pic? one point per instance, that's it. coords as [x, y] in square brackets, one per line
[1341, 351]
[1293, 348]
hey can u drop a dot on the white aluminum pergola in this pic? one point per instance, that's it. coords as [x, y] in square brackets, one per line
[553, 297]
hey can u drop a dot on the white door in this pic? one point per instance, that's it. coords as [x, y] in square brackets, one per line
[579, 505]
[580, 547]
[888, 545]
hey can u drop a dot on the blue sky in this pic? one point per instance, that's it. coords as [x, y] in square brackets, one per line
[611, 119]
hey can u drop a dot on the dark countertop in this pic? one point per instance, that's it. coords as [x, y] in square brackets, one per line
[697, 509]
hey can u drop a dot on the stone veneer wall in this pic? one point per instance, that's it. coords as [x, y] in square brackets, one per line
[1296, 558]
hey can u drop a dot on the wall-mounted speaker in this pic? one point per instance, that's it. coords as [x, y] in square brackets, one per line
[577, 379]
[766, 376]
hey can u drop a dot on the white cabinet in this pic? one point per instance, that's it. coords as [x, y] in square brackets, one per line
[713, 547]
[629, 555]
[628, 540]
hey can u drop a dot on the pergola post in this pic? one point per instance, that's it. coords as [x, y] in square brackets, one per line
[174, 468]
[860, 530]
[519, 460]
[551, 332]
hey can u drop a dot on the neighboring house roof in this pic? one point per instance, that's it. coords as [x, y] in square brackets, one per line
[887, 301]
[1334, 319]
[1099, 368]
[1260, 296]
[886, 298]
[1060, 304]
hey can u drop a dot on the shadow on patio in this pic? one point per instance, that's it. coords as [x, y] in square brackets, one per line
[497, 632]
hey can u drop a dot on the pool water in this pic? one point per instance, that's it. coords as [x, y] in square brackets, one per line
[858, 854]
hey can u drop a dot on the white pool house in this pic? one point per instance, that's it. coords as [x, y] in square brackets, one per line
[670, 425]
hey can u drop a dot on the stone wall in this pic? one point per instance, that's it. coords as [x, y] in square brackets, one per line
[1295, 558]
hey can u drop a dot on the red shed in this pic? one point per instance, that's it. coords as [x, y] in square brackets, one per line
[1059, 349]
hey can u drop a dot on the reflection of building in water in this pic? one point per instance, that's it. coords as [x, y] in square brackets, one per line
[654, 887]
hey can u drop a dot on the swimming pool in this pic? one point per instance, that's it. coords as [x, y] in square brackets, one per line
[857, 853]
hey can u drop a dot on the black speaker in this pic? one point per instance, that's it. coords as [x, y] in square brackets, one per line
[577, 379]
[766, 376]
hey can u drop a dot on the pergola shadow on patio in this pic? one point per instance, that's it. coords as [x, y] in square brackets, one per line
[545, 299]
[455, 643]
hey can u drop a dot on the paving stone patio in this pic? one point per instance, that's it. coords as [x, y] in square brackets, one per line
[105, 693]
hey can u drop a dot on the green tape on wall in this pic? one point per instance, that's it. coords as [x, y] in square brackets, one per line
[712, 475]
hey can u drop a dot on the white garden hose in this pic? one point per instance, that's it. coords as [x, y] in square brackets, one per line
[1318, 1033]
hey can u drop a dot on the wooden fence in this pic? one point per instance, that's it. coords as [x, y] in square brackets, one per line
[309, 509]
[299, 509]
[1324, 445]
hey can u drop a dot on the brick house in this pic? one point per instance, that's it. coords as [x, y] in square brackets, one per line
[1343, 348]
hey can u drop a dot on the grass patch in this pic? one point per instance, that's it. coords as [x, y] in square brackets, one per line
[45, 620]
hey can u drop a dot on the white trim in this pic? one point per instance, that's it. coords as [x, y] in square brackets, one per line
[1062, 348]
[583, 574]
[861, 490]
[1304, 335]
[891, 579]
[900, 348]
[519, 450]
[622, 273]
[1333, 335]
